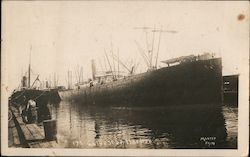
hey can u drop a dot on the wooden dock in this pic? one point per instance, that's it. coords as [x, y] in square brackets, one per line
[27, 135]
[13, 137]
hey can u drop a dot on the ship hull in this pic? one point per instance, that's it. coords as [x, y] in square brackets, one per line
[41, 97]
[195, 82]
[54, 96]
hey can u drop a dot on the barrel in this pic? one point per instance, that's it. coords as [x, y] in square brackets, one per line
[50, 129]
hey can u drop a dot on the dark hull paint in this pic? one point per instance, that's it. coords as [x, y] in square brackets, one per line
[29, 94]
[195, 82]
[41, 97]
[230, 86]
[231, 98]
[54, 96]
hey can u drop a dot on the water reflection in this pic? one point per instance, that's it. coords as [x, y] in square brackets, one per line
[199, 126]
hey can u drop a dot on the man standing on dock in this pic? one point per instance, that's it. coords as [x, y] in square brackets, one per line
[31, 110]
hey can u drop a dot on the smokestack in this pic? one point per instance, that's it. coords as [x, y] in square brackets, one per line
[24, 81]
[93, 69]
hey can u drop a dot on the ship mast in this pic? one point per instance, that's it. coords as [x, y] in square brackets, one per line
[109, 63]
[113, 61]
[69, 79]
[143, 53]
[157, 53]
[149, 59]
[159, 41]
[81, 75]
[118, 68]
[120, 62]
[152, 49]
[29, 69]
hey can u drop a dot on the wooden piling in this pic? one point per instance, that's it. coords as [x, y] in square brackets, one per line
[50, 129]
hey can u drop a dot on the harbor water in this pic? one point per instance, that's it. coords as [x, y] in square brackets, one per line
[88, 126]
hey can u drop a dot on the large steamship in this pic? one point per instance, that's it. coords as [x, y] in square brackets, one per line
[184, 80]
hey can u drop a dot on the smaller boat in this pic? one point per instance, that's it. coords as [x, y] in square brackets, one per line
[28, 91]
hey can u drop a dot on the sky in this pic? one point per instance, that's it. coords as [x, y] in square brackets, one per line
[61, 35]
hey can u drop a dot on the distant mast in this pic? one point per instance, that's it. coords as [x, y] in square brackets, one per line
[29, 69]
[69, 79]
[93, 69]
[148, 57]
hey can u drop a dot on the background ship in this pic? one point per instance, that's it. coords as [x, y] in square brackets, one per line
[27, 91]
[186, 80]
[230, 88]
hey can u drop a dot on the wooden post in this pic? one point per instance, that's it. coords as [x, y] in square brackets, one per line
[50, 129]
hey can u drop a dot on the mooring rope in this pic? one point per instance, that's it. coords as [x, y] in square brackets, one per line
[15, 103]
[19, 95]
[39, 95]
[33, 99]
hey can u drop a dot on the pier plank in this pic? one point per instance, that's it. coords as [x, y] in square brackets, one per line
[27, 133]
[45, 145]
[34, 145]
[17, 115]
[35, 131]
[10, 137]
[54, 144]
[20, 120]
[15, 136]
